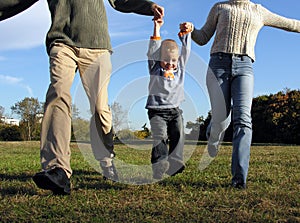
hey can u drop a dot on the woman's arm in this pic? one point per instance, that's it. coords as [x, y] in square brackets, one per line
[203, 35]
[277, 21]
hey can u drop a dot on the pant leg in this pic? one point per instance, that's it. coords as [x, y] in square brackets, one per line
[176, 135]
[160, 138]
[218, 84]
[56, 124]
[95, 71]
[176, 140]
[242, 95]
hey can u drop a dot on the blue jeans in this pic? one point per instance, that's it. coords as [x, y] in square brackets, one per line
[167, 129]
[230, 83]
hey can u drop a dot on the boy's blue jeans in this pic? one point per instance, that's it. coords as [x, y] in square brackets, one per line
[230, 83]
[167, 129]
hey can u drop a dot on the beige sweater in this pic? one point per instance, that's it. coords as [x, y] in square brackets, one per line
[237, 24]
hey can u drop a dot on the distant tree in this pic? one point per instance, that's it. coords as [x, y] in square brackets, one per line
[276, 117]
[119, 116]
[29, 110]
[1, 113]
[198, 128]
[2, 109]
[75, 112]
[80, 129]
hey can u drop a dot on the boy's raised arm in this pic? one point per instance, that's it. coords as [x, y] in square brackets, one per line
[155, 43]
[185, 38]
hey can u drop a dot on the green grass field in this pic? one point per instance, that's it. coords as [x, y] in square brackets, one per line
[273, 193]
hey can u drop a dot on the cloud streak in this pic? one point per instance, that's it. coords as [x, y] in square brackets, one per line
[15, 81]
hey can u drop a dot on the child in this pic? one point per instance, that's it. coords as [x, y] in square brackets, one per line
[166, 92]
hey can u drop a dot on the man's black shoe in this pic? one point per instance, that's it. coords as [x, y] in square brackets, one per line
[110, 172]
[55, 180]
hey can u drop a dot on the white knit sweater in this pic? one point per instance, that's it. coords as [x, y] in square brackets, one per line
[237, 24]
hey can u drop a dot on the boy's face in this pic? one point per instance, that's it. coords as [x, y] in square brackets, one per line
[169, 57]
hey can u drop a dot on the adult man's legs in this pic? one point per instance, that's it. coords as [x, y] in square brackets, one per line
[95, 71]
[56, 124]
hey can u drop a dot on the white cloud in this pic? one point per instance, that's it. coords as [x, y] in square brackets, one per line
[15, 81]
[9, 79]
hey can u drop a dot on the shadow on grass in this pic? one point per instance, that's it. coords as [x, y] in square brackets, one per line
[178, 183]
[22, 183]
[13, 184]
[20, 177]
[83, 179]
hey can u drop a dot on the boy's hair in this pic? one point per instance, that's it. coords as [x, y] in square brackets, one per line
[170, 45]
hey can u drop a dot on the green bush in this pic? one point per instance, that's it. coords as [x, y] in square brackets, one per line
[10, 133]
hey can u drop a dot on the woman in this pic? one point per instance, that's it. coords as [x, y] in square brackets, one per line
[236, 24]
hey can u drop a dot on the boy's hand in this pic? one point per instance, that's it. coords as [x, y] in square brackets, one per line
[157, 25]
[186, 27]
[158, 22]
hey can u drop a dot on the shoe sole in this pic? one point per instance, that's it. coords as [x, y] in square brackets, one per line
[44, 181]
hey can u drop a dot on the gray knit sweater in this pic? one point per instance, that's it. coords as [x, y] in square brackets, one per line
[236, 24]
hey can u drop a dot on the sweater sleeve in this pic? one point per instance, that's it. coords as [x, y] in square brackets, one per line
[153, 52]
[277, 21]
[9, 8]
[142, 7]
[203, 35]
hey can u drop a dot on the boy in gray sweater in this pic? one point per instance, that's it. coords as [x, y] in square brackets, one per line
[166, 92]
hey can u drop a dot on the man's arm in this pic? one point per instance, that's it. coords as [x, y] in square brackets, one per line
[142, 7]
[9, 8]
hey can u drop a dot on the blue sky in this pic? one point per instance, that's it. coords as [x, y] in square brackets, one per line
[24, 68]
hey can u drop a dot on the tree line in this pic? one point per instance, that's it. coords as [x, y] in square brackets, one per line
[275, 118]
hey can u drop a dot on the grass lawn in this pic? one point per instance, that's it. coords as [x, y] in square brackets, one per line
[273, 193]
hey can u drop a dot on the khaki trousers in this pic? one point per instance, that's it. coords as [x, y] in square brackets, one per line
[94, 66]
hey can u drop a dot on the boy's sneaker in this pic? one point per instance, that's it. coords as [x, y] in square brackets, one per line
[109, 172]
[159, 169]
[176, 167]
[55, 180]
